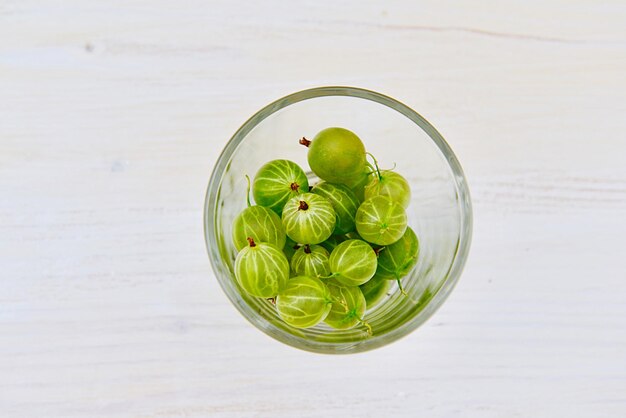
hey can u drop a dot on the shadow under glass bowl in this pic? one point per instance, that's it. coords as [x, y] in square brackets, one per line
[439, 212]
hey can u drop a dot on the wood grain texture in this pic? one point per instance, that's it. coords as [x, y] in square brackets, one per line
[112, 115]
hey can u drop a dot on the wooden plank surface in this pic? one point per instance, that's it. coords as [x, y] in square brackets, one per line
[112, 115]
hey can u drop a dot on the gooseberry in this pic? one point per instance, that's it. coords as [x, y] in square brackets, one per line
[304, 302]
[348, 306]
[276, 182]
[374, 290]
[344, 202]
[308, 218]
[261, 269]
[336, 155]
[380, 220]
[353, 262]
[311, 260]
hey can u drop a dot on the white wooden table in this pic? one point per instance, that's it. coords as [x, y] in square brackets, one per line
[113, 114]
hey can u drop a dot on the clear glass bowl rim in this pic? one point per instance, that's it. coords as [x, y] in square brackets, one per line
[463, 197]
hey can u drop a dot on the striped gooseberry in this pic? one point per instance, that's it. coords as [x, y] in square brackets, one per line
[380, 220]
[311, 260]
[304, 302]
[387, 183]
[353, 262]
[308, 218]
[398, 259]
[276, 182]
[374, 290]
[344, 202]
[348, 306]
[391, 184]
[259, 223]
[261, 269]
[359, 186]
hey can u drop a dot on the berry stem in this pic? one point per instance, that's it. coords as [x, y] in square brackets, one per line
[304, 142]
[366, 325]
[375, 170]
[248, 191]
[253, 244]
[380, 177]
[371, 168]
[401, 288]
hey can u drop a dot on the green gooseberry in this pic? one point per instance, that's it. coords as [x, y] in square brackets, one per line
[261, 224]
[387, 183]
[336, 155]
[374, 290]
[278, 181]
[398, 259]
[261, 269]
[304, 302]
[311, 260]
[353, 262]
[308, 218]
[359, 186]
[380, 220]
[348, 306]
[344, 202]
[391, 184]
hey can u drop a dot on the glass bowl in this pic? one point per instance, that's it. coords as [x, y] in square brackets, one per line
[439, 212]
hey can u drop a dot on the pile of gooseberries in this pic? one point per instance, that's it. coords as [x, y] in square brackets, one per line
[327, 252]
